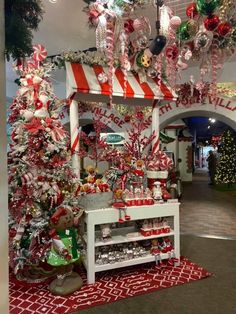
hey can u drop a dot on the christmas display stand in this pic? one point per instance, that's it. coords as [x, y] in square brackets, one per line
[83, 84]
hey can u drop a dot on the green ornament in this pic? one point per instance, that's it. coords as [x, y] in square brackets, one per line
[207, 7]
[139, 59]
[182, 31]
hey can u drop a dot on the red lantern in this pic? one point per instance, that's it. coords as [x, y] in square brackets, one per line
[172, 52]
[191, 11]
[224, 29]
[211, 22]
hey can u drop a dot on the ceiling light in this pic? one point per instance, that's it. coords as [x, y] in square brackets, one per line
[213, 120]
[208, 126]
[53, 1]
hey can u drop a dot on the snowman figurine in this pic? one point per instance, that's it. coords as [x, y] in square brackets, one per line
[156, 191]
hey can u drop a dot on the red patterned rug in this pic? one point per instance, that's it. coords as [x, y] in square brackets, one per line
[110, 286]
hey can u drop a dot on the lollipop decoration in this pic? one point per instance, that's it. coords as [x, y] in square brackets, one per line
[40, 53]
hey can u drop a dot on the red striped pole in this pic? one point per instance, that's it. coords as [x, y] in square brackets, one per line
[74, 133]
[155, 127]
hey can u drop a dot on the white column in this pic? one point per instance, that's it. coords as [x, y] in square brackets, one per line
[74, 131]
[155, 126]
[3, 175]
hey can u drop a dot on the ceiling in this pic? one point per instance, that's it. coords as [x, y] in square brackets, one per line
[65, 27]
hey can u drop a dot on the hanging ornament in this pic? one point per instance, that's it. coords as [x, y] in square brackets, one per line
[224, 29]
[203, 40]
[172, 52]
[182, 31]
[191, 11]
[207, 7]
[129, 26]
[152, 73]
[142, 42]
[175, 22]
[187, 54]
[211, 22]
[157, 45]
[192, 27]
[143, 60]
[40, 53]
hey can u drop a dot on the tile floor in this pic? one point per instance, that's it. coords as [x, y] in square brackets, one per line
[205, 211]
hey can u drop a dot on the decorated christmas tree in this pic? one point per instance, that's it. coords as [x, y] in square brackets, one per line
[40, 175]
[226, 167]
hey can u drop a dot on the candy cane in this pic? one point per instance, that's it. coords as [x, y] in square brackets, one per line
[214, 61]
[110, 57]
[155, 127]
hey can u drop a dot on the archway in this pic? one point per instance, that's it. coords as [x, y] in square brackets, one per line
[223, 109]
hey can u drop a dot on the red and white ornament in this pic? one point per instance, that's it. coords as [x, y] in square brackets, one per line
[40, 53]
[102, 78]
[175, 22]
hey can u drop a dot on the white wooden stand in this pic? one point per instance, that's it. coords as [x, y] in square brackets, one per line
[111, 215]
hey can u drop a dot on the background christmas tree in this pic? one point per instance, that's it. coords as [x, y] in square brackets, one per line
[40, 175]
[226, 166]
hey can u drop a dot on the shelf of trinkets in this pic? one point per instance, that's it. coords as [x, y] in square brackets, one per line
[150, 229]
[121, 235]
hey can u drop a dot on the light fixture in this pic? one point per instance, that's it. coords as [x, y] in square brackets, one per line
[208, 126]
[53, 1]
[212, 120]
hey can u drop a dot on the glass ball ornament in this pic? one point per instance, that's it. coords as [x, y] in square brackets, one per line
[175, 22]
[203, 40]
[182, 32]
[142, 42]
[211, 22]
[207, 7]
[192, 27]
[224, 29]
[191, 11]
[152, 73]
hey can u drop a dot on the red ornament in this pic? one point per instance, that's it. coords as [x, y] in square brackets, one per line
[172, 52]
[224, 29]
[127, 118]
[191, 11]
[211, 22]
[129, 26]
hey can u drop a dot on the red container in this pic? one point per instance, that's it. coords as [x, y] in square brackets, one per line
[146, 232]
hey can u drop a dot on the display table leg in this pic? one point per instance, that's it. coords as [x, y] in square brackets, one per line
[176, 235]
[90, 252]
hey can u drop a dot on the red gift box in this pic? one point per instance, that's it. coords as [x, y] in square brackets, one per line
[146, 232]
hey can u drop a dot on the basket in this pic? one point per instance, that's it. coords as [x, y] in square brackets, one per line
[96, 200]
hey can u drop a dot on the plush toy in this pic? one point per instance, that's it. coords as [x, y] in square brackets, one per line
[120, 204]
[64, 251]
[91, 171]
[101, 186]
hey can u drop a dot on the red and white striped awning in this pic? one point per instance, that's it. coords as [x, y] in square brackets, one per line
[83, 84]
